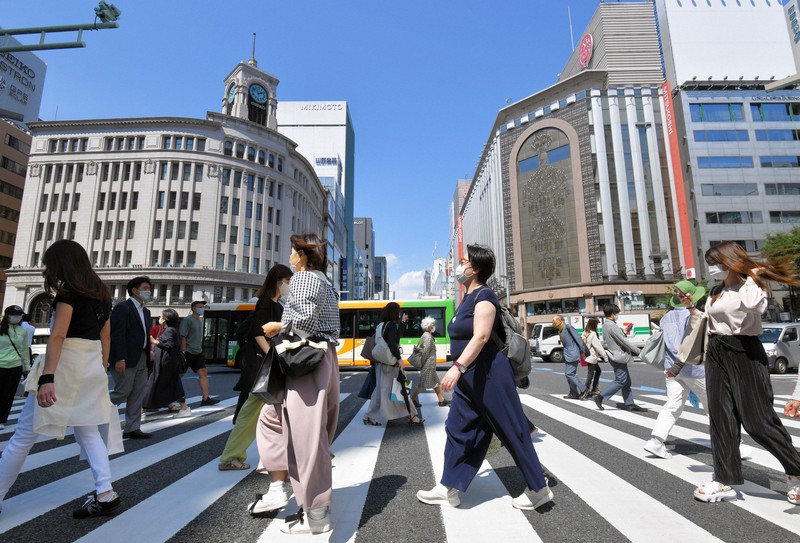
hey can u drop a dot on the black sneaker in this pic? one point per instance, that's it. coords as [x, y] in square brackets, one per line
[93, 507]
[209, 401]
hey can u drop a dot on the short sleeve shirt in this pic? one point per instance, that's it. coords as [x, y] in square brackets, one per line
[88, 315]
[192, 329]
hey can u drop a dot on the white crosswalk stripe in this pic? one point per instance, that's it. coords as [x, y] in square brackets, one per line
[617, 496]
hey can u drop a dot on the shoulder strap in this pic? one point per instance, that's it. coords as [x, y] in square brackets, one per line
[12, 344]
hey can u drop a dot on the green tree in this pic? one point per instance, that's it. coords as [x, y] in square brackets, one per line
[785, 245]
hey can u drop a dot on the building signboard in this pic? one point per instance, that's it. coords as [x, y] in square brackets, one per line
[21, 84]
[585, 51]
[677, 172]
[792, 10]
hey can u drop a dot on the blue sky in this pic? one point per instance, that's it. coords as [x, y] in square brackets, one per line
[424, 81]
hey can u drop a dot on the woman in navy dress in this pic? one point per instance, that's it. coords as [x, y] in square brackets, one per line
[485, 400]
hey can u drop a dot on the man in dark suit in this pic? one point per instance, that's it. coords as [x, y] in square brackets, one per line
[130, 346]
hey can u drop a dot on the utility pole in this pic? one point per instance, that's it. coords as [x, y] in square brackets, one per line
[107, 13]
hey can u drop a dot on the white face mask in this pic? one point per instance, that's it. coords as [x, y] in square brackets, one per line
[144, 295]
[718, 272]
[284, 290]
[461, 275]
[15, 319]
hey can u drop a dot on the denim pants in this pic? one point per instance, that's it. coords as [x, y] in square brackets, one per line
[571, 373]
[622, 380]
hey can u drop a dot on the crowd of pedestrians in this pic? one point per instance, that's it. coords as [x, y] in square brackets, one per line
[294, 430]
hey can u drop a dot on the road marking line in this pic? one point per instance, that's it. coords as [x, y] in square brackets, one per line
[760, 501]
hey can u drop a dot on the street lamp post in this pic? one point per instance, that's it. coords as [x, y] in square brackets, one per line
[107, 13]
[507, 281]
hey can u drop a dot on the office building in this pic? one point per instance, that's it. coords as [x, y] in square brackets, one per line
[203, 206]
[325, 136]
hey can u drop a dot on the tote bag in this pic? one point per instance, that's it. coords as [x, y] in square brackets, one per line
[381, 351]
[270, 381]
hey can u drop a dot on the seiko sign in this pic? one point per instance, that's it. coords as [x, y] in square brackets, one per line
[21, 81]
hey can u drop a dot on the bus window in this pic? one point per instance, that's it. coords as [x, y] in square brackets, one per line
[346, 317]
[215, 338]
[368, 321]
[411, 321]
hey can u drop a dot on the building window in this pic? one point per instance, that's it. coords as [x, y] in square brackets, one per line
[257, 238]
[237, 179]
[782, 189]
[196, 198]
[239, 150]
[198, 173]
[248, 210]
[164, 169]
[169, 230]
[40, 231]
[280, 164]
[220, 264]
[161, 197]
[223, 204]
[173, 199]
[184, 200]
[778, 135]
[174, 172]
[235, 206]
[131, 229]
[109, 228]
[13, 166]
[228, 148]
[730, 189]
[154, 258]
[194, 229]
[178, 143]
[734, 217]
[250, 181]
[792, 217]
[721, 135]
[98, 230]
[157, 230]
[262, 157]
[780, 161]
[231, 266]
[18, 144]
[277, 217]
[167, 142]
[775, 112]
[234, 237]
[716, 113]
[201, 144]
[187, 171]
[222, 233]
[123, 200]
[112, 201]
[713, 162]
[54, 206]
[246, 240]
[226, 177]
[181, 229]
[190, 262]
[120, 230]
[251, 154]
[43, 203]
[259, 211]
[135, 200]
[271, 162]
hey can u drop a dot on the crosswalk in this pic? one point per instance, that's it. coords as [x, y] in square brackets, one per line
[607, 488]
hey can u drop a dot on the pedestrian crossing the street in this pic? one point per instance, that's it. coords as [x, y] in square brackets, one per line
[606, 486]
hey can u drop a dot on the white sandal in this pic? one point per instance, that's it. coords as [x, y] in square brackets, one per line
[713, 491]
[794, 489]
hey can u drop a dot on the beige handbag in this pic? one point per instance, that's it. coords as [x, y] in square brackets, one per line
[693, 347]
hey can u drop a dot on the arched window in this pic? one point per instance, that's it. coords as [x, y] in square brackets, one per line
[239, 150]
[41, 308]
[228, 148]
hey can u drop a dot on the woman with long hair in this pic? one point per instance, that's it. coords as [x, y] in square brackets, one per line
[485, 399]
[70, 388]
[596, 355]
[381, 408]
[737, 372]
[14, 358]
[311, 409]
[164, 386]
[275, 287]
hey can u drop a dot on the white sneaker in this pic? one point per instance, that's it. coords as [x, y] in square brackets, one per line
[440, 495]
[657, 448]
[271, 501]
[530, 500]
[2, 426]
[183, 413]
[309, 525]
[174, 405]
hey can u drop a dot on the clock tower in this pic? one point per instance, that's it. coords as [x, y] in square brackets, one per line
[250, 94]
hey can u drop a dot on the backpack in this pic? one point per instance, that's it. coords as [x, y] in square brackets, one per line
[244, 329]
[515, 347]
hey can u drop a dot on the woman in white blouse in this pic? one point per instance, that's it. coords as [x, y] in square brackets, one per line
[737, 372]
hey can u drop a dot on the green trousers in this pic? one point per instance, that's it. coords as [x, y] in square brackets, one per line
[244, 431]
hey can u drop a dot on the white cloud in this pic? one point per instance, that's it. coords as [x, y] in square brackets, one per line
[409, 285]
[391, 259]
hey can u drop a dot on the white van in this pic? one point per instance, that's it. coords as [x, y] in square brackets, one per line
[546, 343]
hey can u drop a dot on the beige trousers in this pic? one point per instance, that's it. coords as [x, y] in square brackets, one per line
[310, 416]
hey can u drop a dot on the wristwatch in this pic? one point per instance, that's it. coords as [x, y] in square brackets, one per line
[461, 367]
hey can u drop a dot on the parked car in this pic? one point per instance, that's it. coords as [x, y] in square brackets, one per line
[40, 338]
[782, 343]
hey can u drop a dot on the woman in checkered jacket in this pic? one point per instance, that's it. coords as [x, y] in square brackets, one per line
[311, 409]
